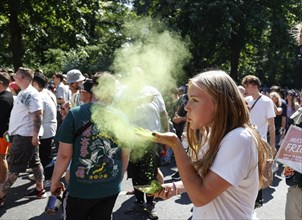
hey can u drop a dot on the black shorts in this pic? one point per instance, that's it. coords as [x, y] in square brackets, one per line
[93, 209]
[22, 154]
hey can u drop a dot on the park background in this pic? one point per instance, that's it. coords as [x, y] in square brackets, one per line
[239, 36]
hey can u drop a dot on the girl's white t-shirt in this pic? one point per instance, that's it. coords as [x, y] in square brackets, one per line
[236, 162]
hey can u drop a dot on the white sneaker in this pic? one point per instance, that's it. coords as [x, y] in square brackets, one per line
[31, 177]
[29, 170]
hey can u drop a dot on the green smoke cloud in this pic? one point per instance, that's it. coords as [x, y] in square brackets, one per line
[153, 55]
[158, 53]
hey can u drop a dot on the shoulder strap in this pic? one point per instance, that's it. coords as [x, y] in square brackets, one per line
[255, 102]
[83, 128]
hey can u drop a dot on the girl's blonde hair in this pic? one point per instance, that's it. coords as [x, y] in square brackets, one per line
[231, 112]
[276, 95]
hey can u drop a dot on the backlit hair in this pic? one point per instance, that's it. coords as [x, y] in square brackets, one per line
[26, 73]
[251, 79]
[4, 79]
[231, 112]
[276, 95]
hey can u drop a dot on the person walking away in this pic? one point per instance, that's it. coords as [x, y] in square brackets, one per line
[49, 124]
[6, 103]
[98, 160]
[262, 114]
[25, 129]
[85, 97]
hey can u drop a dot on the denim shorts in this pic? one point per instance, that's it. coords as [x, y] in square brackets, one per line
[22, 154]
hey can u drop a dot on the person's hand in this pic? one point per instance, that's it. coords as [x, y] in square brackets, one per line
[168, 138]
[35, 141]
[65, 107]
[167, 192]
[57, 188]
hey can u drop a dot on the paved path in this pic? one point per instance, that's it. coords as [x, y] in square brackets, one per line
[179, 207]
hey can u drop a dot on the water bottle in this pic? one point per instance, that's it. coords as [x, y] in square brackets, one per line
[53, 204]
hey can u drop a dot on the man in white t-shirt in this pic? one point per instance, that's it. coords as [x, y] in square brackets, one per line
[149, 112]
[62, 91]
[262, 113]
[63, 95]
[49, 123]
[25, 129]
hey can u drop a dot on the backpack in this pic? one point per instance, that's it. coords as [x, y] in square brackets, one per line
[268, 174]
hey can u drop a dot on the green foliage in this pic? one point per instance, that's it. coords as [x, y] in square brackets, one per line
[239, 36]
[242, 37]
[83, 33]
[88, 59]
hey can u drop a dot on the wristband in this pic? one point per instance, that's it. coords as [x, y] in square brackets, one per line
[175, 188]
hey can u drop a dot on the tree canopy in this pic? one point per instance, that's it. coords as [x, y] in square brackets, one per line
[239, 36]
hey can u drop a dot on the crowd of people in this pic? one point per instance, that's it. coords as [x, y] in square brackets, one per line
[210, 115]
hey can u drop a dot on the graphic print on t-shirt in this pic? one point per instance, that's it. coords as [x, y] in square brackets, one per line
[25, 99]
[98, 156]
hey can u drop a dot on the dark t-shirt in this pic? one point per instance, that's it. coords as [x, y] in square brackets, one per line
[6, 105]
[278, 118]
[96, 167]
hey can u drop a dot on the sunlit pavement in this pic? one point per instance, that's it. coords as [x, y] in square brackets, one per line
[178, 207]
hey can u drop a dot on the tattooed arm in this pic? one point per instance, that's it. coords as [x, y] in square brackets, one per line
[37, 121]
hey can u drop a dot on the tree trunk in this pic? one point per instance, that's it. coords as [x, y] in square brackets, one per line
[236, 44]
[15, 33]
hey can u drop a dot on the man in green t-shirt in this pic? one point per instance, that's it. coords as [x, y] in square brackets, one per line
[98, 161]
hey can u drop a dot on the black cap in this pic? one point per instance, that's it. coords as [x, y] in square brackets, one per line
[87, 85]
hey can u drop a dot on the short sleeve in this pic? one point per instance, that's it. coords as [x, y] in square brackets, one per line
[35, 103]
[66, 132]
[60, 92]
[235, 157]
[270, 110]
[284, 109]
